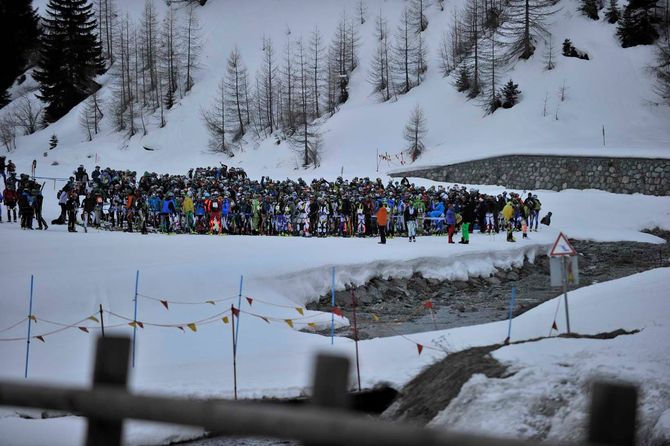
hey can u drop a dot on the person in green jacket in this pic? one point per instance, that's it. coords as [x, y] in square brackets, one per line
[255, 214]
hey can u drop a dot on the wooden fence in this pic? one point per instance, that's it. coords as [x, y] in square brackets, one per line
[325, 421]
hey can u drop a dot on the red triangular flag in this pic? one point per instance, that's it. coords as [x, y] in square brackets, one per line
[428, 305]
[181, 328]
[419, 347]
[554, 326]
[84, 329]
[337, 312]
[140, 324]
[250, 300]
[41, 338]
[165, 304]
[235, 311]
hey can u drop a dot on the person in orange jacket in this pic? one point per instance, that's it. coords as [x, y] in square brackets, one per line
[382, 219]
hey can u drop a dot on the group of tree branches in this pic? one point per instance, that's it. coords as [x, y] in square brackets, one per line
[485, 37]
[290, 90]
[400, 60]
[152, 63]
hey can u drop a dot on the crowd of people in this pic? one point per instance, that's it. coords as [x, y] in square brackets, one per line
[222, 200]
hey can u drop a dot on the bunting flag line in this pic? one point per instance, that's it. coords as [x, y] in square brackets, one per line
[300, 310]
[250, 300]
[192, 326]
[182, 302]
[165, 304]
[16, 324]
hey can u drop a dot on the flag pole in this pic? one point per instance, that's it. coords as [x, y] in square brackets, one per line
[30, 319]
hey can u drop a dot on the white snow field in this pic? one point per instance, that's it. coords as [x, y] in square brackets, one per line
[75, 273]
[613, 89]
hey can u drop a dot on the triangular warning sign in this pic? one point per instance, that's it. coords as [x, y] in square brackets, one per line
[562, 247]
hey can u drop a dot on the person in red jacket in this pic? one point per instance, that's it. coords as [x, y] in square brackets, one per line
[10, 202]
[213, 207]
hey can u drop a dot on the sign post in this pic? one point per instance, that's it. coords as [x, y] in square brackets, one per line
[564, 270]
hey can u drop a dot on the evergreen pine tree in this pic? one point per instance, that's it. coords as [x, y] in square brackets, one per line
[510, 94]
[568, 48]
[636, 26]
[463, 81]
[19, 35]
[71, 56]
[4, 98]
[612, 14]
[590, 9]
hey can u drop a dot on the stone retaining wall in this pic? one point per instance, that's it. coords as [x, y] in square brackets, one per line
[620, 175]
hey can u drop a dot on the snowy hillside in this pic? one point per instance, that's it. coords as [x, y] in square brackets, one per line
[76, 273]
[613, 90]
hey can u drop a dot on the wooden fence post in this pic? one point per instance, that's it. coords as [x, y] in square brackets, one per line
[331, 376]
[112, 356]
[613, 414]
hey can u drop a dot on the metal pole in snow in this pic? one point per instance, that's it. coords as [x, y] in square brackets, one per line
[332, 315]
[102, 322]
[511, 307]
[565, 291]
[30, 319]
[358, 368]
[232, 320]
[137, 281]
[239, 306]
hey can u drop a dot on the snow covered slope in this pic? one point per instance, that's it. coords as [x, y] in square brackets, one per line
[612, 90]
[75, 273]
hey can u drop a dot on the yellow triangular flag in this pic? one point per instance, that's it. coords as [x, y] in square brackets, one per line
[311, 324]
[94, 319]
[225, 319]
[192, 326]
[33, 318]
[300, 310]
[289, 322]
[375, 317]
[132, 324]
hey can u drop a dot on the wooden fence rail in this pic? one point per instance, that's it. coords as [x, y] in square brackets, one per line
[326, 421]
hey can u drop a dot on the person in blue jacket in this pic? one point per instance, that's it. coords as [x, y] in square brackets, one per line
[167, 209]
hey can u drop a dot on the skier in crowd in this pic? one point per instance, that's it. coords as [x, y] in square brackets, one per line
[222, 200]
